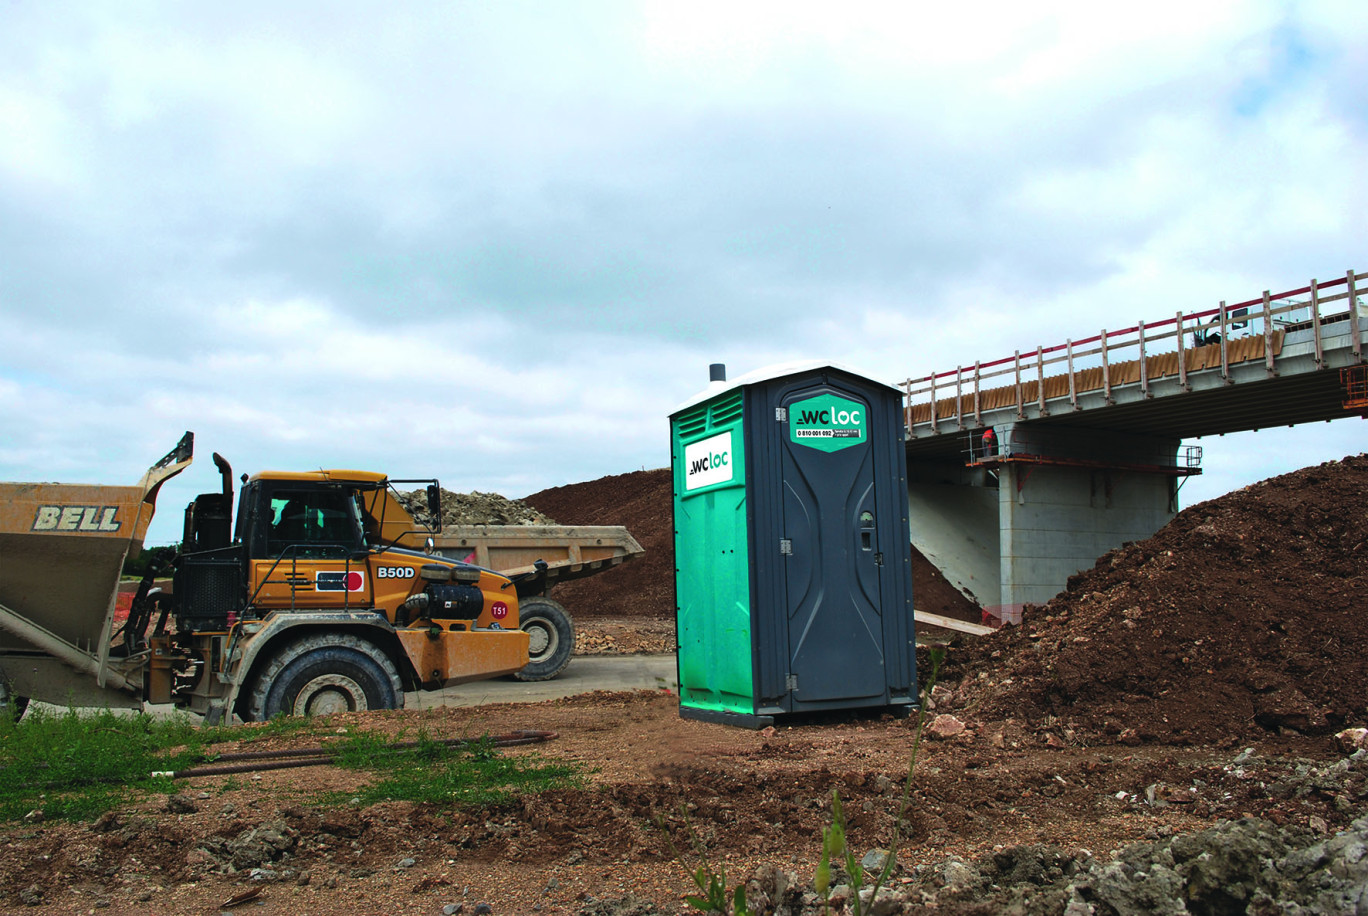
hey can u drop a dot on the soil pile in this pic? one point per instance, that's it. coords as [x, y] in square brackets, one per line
[643, 502]
[931, 591]
[474, 508]
[1241, 617]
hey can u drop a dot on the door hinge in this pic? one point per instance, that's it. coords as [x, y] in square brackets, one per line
[780, 414]
[791, 683]
[786, 547]
[878, 559]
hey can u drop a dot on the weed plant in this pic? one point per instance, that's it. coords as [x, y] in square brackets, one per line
[712, 880]
[834, 845]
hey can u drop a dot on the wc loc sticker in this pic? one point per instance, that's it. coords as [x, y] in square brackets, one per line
[828, 423]
[708, 461]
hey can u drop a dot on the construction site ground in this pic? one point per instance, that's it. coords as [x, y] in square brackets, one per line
[1179, 702]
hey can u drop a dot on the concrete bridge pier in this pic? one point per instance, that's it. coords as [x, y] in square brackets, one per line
[1011, 524]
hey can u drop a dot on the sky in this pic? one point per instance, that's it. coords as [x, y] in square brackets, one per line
[497, 243]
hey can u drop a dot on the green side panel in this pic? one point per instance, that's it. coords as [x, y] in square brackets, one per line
[712, 557]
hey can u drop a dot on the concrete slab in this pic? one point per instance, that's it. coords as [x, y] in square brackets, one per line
[584, 674]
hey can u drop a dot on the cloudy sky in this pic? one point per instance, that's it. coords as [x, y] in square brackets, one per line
[498, 242]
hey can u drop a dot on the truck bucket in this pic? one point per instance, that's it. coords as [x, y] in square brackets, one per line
[62, 549]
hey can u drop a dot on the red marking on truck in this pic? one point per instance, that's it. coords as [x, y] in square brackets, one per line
[338, 581]
[498, 610]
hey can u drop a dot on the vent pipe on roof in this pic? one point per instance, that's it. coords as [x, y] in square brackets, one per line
[717, 372]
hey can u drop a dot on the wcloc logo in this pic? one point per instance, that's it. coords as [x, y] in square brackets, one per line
[709, 461]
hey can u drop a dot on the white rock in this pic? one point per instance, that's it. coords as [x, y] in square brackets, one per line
[1352, 739]
[945, 726]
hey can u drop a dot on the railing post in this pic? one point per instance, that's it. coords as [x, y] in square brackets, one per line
[1355, 338]
[907, 409]
[1073, 387]
[1225, 355]
[1020, 406]
[1144, 365]
[1040, 379]
[959, 396]
[935, 412]
[1316, 323]
[1106, 370]
[1182, 356]
[1268, 335]
[978, 412]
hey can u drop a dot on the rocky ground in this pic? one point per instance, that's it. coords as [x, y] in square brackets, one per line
[1162, 737]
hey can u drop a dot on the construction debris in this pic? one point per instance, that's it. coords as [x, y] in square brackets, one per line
[474, 508]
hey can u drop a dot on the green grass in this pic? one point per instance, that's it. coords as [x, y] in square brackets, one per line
[77, 766]
[476, 775]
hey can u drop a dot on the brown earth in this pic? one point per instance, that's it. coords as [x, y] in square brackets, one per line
[642, 502]
[1116, 714]
[1243, 617]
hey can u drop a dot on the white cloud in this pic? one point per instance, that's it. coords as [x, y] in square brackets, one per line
[500, 243]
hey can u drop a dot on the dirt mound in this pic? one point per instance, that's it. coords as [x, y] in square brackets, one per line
[1242, 616]
[473, 508]
[642, 501]
[931, 591]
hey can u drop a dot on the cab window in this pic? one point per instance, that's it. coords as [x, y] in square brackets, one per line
[318, 523]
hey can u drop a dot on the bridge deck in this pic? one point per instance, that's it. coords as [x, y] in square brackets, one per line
[1271, 361]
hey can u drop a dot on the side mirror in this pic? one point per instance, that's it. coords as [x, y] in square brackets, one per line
[434, 504]
[430, 546]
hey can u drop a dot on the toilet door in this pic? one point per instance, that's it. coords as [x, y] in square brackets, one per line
[832, 555]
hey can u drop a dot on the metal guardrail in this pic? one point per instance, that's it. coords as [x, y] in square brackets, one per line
[1090, 364]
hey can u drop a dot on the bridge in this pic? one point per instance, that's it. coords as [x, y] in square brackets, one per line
[1024, 470]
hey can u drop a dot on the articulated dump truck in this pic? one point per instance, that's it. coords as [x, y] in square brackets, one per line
[318, 595]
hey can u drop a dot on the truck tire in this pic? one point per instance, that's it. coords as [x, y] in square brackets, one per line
[552, 638]
[323, 674]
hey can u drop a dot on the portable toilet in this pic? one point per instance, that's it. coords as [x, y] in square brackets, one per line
[793, 581]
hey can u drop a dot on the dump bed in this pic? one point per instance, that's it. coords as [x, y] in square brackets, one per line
[62, 549]
[570, 551]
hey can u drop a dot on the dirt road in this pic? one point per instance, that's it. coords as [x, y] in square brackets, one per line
[585, 674]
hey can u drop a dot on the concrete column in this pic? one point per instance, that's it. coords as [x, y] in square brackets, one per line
[1016, 538]
[1056, 521]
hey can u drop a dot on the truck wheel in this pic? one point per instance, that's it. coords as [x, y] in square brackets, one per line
[552, 638]
[11, 706]
[323, 674]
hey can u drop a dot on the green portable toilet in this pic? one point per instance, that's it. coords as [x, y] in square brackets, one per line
[793, 579]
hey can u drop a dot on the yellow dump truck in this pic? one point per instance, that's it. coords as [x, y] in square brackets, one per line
[538, 557]
[310, 598]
